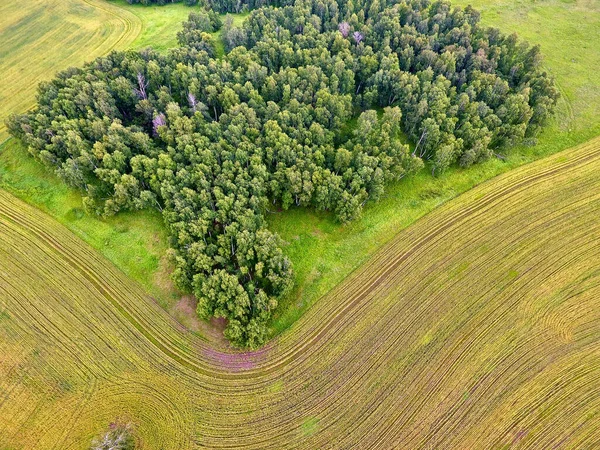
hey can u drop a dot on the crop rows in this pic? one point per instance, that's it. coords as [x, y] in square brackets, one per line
[477, 327]
[40, 38]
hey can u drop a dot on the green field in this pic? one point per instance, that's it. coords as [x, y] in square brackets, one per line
[160, 24]
[134, 242]
[495, 296]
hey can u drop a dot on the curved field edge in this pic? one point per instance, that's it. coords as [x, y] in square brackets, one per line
[160, 23]
[476, 327]
[134, 242]
[40, 38]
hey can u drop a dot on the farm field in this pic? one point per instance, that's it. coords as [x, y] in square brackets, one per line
[461, 311]
[41, 37]
[495, 296]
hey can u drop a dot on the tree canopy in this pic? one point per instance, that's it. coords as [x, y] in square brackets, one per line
[310, 107]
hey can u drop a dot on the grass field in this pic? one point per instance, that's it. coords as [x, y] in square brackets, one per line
[136, 242]
[476, 327]
[160, 24]
[41, 37]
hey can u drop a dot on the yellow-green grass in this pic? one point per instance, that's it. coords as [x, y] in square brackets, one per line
[477, 327]
[323, 252]
[160, 24]
[41, 37]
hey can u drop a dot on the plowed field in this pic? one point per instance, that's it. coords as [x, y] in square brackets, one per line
[477, 327]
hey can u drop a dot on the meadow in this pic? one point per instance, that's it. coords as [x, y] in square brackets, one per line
[494, 296]
[323, 251]
[160, 24]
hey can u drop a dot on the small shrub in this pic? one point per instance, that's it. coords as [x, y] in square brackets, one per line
[118, 437]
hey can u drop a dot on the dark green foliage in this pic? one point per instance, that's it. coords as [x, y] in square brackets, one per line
[215, 143]
[196, 29]
[195, 32]
[237, 6]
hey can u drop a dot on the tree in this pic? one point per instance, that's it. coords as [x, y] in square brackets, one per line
[232, 36]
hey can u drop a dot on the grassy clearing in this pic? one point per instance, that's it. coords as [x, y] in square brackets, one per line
[41, 37]
[568, 32]
[160, 24]
[477, 327]
[324, 253]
